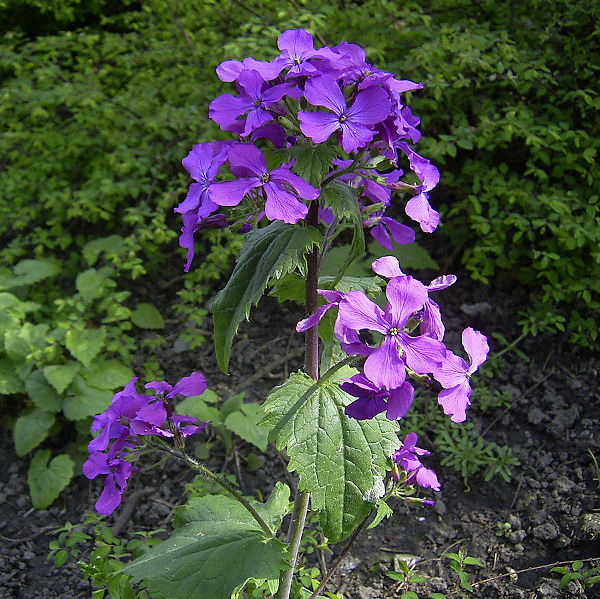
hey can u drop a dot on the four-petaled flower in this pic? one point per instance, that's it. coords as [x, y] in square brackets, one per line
[369, 107]
[282, 188]
[454, 374]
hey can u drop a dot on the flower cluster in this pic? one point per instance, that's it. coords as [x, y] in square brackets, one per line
[407, 457]
[382, 386]
[129, 416]
[307, 96]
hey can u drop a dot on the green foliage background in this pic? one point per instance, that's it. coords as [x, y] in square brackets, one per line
[101, 99]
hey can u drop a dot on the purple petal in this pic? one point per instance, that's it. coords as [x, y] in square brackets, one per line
[370, 106]
[365, 408]
[455, 401]
[231, 193]
[267, 70]
[325, 91]
[95, 465]
[296, 42]
[110, 498]
[357, 312]
[427, 479]
[405, 296]
[476, 345]
[403, 85]
[313, 319]
[431, 323]
[423, 354]
[189, 386]
[158, 386]
[419, 209]
[355, 135]
[318, 125]
[274, 132]
[452, 371]
[229, 70]
[384, 367]
[224, 110]
[401, 234]
[246, 160]
[387, 266]
[303, 189]
[381, 236]
[399, 401]
[282, 205]
[442, 282]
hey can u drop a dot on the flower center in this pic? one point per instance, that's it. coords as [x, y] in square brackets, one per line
[296, 60]
[342, 118]
[264, 177]
[393, 331]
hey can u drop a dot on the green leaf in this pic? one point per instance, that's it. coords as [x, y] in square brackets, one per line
[86, 344]
[577, 565]
[383, 511]
[343, 202]
[410, 256]
[196, 407]
[266, 254]
[245, 425]
[312, 162]
[216, 548]
[31, 429]
[291, 287]
[10, 381]
[82, 400]
[28, 272]
[61, 376]
[47, 480]
[370, 286]
[89, 283]
[437, 596]
[112, 244]
[20, 343]
[109, 374]
[146, 316]
[43, 395]
[340, 461]
[472, 561]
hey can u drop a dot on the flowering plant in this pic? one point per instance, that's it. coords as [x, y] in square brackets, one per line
[321, 142]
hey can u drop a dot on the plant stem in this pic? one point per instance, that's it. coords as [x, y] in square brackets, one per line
[311, 367]
[336, 367]
[340, 557]
[181, 454]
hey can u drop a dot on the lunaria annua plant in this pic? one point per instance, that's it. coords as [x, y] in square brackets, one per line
[321, 143]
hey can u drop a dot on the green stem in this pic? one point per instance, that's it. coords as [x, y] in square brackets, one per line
[348, 169]
[311, 367]
[181, 454]
[341, 556]
[335, 368]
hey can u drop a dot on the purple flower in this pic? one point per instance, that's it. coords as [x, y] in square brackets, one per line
[281, 186]
[369, 107]
[385, 366]
[203, 164]
[129, 416]
[118, 472]
[254, 101]
[384, 229]
[407, 457]
[373, 400]
[297, 49]
[454, 374]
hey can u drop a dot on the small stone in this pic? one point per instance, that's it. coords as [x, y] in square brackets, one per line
[27, 555]
[516, 536]
[514, 521]
[562, 542]
[546, 532]
[590, 526]
[476, 309]
[563, 484]
[349, 563]
[535, 416]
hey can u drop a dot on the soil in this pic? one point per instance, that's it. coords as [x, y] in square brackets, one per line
[551, 504]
